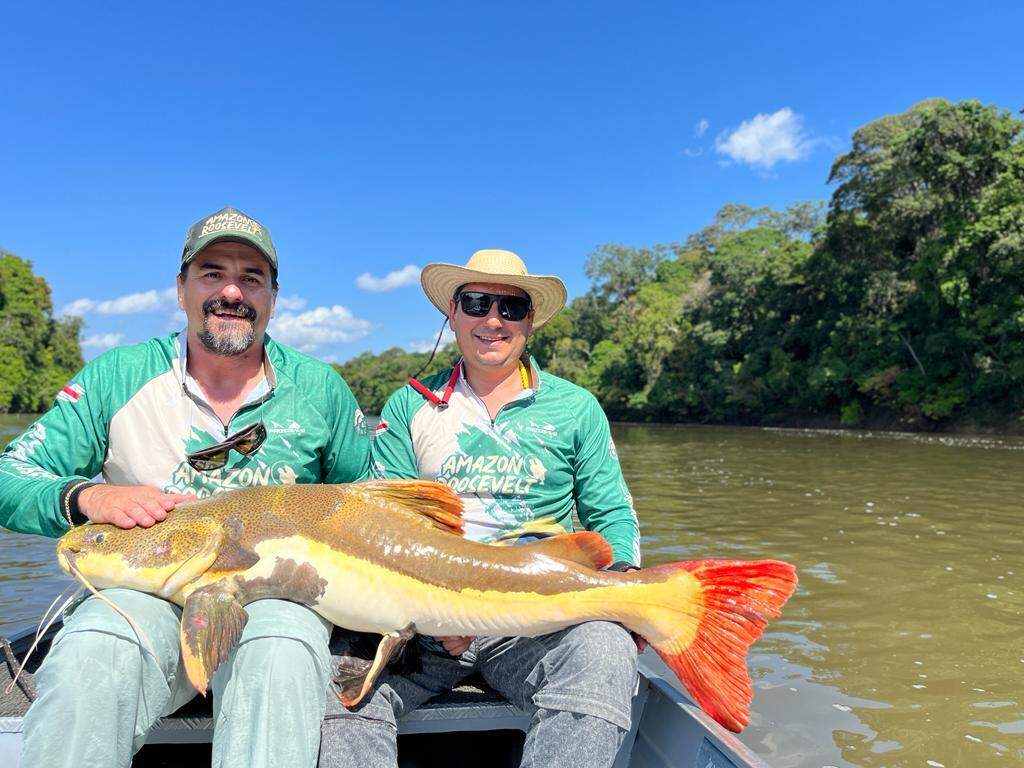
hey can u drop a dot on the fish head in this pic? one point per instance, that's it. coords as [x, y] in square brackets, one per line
[158, 560]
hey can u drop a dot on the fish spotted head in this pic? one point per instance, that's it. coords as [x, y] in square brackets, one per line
[158, 560]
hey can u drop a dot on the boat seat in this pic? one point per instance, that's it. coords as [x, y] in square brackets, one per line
[473, 706]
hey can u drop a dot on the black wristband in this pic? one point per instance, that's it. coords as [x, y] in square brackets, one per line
[69, 501]
[622, 566]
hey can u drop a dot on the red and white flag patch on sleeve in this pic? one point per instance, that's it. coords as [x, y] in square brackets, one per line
[71, 393]
[381, 427]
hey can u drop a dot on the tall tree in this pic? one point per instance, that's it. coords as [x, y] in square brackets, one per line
[38, 354]
[922, 199]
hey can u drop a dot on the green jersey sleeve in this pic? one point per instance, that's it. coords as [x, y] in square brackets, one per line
[391, 453]
[346, 457]
[69, 442]
[603, 503]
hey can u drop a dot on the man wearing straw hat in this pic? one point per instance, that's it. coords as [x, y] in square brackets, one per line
[524, 450]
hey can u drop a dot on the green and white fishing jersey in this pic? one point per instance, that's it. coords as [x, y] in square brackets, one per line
[521, 475]
[133, 414]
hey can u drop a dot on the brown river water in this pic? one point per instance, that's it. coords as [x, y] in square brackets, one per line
[904, 644]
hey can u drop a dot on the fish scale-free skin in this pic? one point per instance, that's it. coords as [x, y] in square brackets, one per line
[354, 525]
[383, 555]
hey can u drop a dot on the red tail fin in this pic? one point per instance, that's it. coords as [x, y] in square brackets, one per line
[724, 612]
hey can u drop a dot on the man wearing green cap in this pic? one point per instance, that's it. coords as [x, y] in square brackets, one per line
[218, 406]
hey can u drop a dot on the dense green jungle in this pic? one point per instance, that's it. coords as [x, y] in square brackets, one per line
[897, 303]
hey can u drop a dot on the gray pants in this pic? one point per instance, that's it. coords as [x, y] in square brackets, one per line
[577, 684]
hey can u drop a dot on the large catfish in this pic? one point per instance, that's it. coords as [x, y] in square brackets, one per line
[389, 557]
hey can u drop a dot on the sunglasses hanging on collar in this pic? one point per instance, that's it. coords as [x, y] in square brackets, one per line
[246, 441]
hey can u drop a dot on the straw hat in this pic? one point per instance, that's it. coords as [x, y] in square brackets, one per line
[547, 292]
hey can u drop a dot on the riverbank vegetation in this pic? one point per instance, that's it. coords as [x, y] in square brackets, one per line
[38, 353]
[899, 302]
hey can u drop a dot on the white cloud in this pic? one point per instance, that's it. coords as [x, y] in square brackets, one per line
[407, 275]
[129, 304]
[701, 128]
[103, 340]
[291, 303]
[319, 327]
[765, 140]
[79, 307]
[425, 345]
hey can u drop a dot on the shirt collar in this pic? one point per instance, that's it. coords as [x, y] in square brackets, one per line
[533, 370]
[191, 387]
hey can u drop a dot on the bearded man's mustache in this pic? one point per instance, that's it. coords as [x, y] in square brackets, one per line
[220, 305]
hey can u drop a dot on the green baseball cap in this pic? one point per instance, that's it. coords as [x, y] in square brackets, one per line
[228, 224]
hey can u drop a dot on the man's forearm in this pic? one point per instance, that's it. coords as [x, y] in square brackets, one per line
[31, 498]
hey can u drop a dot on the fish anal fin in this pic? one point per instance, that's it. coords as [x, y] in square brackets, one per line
[211, 624]
[585, 547]
[349, 675]
[355, 677]
[435, 501]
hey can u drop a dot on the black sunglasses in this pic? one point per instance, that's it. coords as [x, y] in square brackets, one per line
[246, 441]
[478, 304]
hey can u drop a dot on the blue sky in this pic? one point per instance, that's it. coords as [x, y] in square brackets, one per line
[374, 139]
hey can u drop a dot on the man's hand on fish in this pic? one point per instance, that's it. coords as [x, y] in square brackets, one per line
[128, 505]
[456, 645]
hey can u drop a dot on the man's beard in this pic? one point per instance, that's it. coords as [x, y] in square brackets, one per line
[228, 342]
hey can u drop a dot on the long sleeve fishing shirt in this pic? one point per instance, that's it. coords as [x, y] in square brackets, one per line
[522, 474]
[133, 414]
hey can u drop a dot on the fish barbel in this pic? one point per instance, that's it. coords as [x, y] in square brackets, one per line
[388, 556]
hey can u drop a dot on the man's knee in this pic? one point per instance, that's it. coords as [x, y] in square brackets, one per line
[602, 649]
[96, 637]
[591, 670]
[283, 648]
[281, 662]
[99, 671]
[281, 618]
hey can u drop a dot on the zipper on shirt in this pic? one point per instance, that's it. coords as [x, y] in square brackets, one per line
[494, 421]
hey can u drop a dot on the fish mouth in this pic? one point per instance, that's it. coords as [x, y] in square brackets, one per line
[66, 557]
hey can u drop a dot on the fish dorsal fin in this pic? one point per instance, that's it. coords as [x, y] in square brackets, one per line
[434, 501]
[586, 548]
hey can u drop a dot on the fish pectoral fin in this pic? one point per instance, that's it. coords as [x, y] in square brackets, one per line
[232, 556]
[586, 548]
[211, 624]
[434, 501]
[356, 676]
